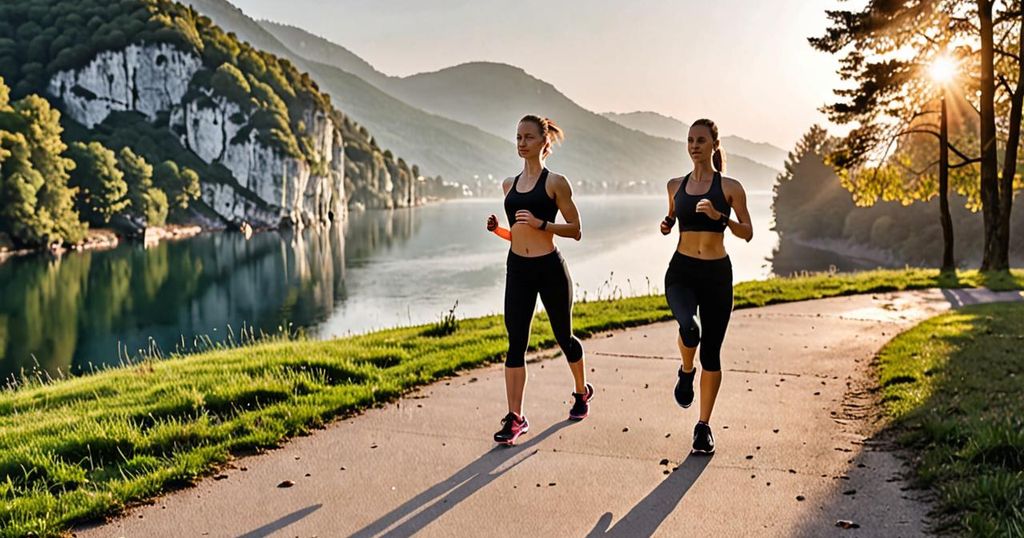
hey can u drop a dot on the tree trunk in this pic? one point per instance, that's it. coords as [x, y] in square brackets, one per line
[1002, 252]
[948, 262]
[987, 132]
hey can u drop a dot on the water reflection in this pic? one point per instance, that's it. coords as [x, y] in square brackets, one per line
[75, 311]
[377, 269]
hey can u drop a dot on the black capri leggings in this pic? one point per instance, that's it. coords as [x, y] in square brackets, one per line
[692, 284]
[525, 278]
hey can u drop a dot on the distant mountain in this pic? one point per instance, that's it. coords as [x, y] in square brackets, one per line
[438, 145]
[494, 96]
[490, 98]
[318, 49]
[656, 124]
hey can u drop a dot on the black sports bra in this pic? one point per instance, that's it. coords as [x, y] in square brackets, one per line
[535, 201]
[686, 208]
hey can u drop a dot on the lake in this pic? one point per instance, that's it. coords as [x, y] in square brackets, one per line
[378, 269]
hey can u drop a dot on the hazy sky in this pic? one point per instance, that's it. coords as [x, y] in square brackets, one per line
[744, 63]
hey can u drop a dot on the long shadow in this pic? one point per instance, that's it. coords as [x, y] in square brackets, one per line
[444, 495]
[645, 518]
[281, 523]
[959, 298]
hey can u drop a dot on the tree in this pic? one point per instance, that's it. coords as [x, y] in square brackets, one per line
[804, 199]
[36, 203]
[147, 200]
[181, 185]
[102, 189]
[885, 48]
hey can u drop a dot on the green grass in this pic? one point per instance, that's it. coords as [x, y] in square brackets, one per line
[955, 387]
[82, 448]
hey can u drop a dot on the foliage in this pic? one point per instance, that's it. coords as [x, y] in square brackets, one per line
[36, 201]
[39, 38]
[147, 201]
[810, 203]
[101, 185]
[886, 49]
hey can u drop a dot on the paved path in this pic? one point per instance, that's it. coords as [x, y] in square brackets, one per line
[795, 417]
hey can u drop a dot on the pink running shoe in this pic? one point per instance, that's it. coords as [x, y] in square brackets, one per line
[512, 426]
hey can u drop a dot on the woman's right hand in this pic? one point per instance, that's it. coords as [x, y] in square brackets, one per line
[666, 225]
[492, 223]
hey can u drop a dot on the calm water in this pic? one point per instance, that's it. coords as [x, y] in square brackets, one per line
[383, 269]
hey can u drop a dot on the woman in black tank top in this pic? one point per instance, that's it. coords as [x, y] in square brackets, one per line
[698, 283]
[535, 267]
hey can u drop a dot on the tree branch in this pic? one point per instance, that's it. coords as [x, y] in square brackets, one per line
[1006, 84]
[1008, 54]
[965, 163]
[1006, 16]
[961, 154]
[918, 172]
[916, 131]
[965, 21]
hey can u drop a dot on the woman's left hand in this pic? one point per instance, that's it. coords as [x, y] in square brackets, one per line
[705, 206]
[525, 217]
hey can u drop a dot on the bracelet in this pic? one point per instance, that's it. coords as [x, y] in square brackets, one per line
[543, 225]
[671, 221]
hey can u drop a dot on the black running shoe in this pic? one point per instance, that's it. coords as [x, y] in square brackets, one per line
[703, 441]
[684, 388]
[581, 407]
[512, 427]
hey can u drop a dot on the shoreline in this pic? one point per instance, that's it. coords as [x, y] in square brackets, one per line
[100, 239]
[848, 249]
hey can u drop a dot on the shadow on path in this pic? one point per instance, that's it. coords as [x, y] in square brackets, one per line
[444, 495]
[281, 523]
[965, 297]
[645, 518]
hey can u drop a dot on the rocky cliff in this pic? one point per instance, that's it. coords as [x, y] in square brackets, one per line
[157, 77]
[270, 187]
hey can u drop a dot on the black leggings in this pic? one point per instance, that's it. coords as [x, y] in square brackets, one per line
[525, 278]
[692, 284]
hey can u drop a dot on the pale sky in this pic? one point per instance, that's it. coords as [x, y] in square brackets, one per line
[744, 63]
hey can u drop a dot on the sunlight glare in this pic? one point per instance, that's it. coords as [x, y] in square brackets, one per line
[943, 69]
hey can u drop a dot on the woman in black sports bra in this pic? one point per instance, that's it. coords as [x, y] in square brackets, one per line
[698, 283]
[534, 266]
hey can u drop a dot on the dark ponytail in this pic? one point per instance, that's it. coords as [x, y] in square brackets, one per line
[551, 132]
[718, 157]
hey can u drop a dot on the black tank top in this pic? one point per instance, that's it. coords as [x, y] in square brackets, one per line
[686, 207]
[536, 201]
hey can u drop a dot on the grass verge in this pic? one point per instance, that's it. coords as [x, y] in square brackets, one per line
[954, 386]
[83, 448]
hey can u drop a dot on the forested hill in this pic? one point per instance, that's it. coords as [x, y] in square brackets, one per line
[812, 208]
[163, 113]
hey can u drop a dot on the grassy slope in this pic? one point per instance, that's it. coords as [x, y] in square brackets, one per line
[82, 448]
[954, 386]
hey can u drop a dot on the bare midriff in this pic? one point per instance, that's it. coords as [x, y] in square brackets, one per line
[702, 245]
[530, 242]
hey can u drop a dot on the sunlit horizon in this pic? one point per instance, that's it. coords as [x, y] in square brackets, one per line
[758, 76]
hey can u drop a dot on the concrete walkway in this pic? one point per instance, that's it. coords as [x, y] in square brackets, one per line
[793, 425]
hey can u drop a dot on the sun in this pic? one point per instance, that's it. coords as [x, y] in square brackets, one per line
[943, 69]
